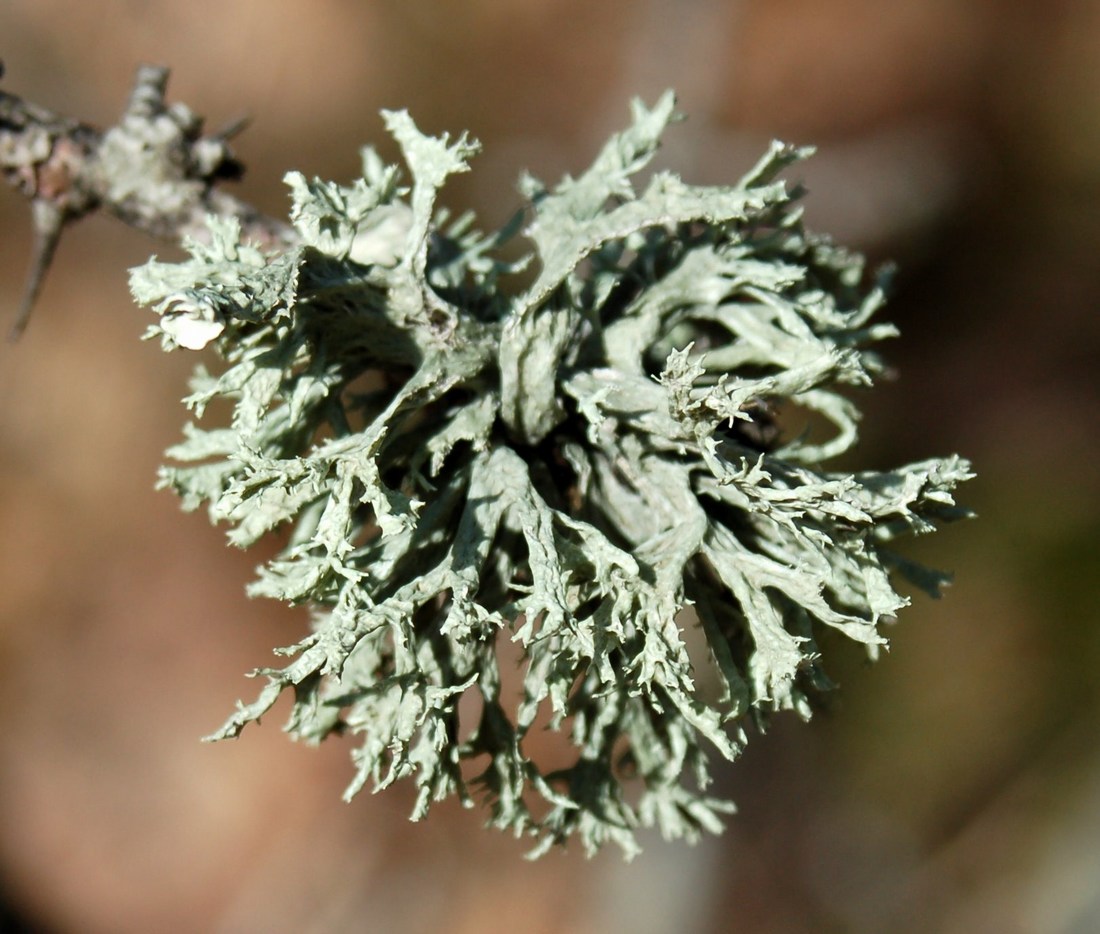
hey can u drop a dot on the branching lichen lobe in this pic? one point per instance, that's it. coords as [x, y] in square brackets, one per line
[582, 467]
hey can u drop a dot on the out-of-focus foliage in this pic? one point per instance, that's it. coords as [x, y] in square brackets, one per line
[464, 453]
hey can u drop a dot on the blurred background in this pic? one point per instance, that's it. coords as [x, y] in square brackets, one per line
[954, 787]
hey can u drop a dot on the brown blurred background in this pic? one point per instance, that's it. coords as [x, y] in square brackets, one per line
[956, 785]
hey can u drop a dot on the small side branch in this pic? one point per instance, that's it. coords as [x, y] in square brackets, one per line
[49, 220]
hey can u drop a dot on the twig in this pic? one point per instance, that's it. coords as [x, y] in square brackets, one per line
[49, 221]
[154, 170]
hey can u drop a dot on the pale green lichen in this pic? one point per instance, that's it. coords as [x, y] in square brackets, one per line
[580, 461]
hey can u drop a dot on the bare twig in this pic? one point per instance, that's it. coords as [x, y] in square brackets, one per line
[154, 170]
[49, 221]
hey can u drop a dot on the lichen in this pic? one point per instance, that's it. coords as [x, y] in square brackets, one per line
[531, 481]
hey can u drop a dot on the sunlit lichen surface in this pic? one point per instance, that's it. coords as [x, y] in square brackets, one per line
[537, 482]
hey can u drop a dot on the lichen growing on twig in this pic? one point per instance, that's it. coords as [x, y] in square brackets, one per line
[582, 460]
